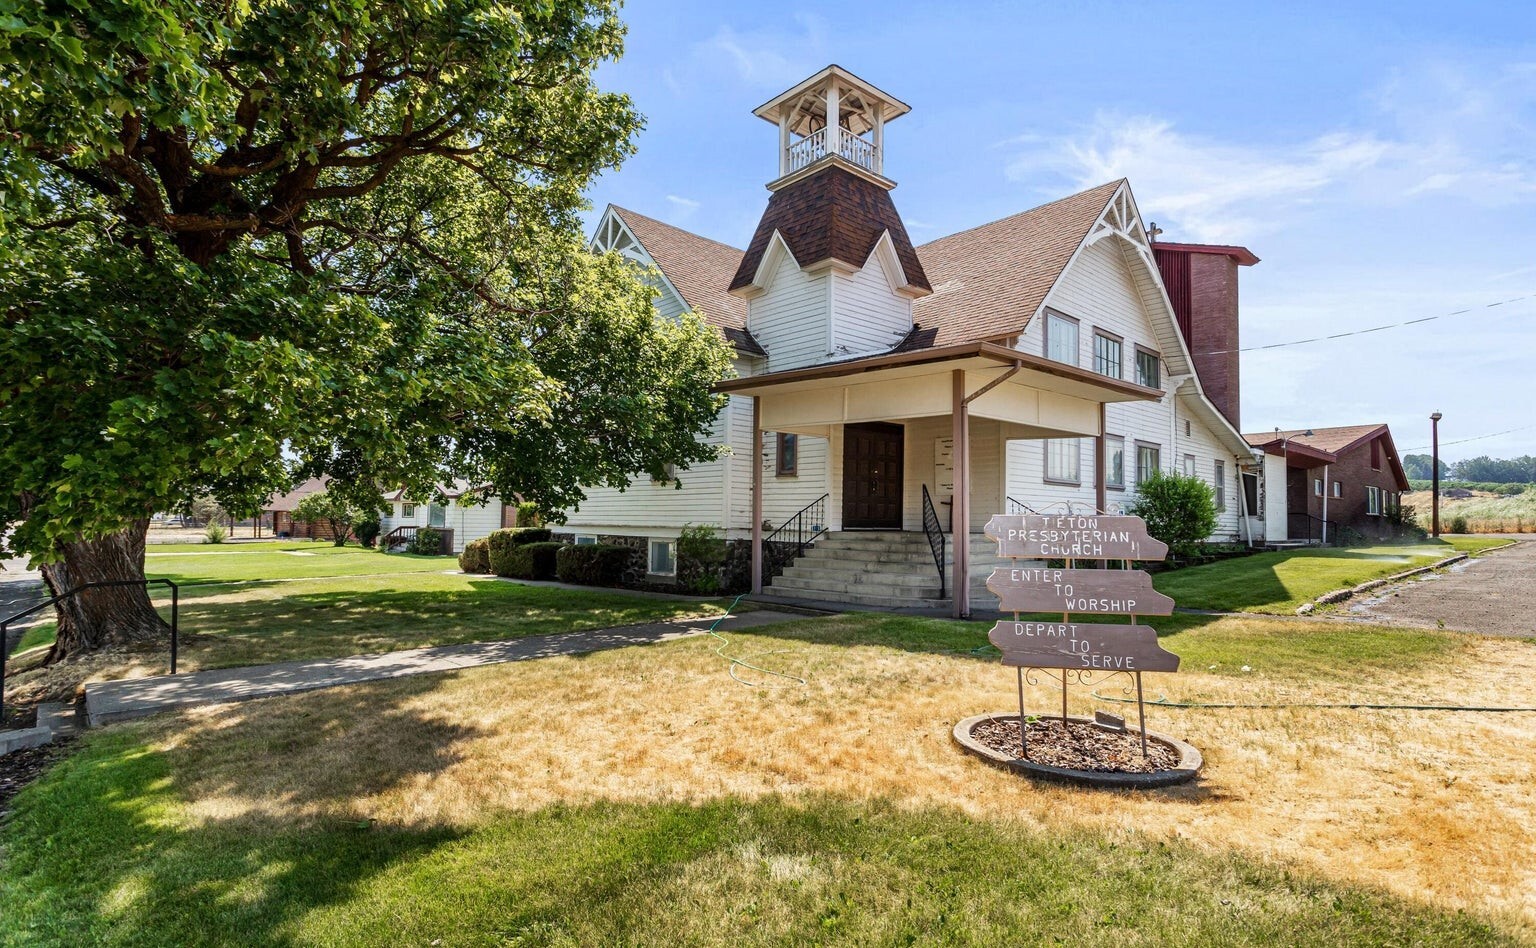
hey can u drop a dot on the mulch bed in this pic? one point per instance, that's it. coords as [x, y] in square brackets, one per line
[18, 717]
[1079, 747]
[19, 768]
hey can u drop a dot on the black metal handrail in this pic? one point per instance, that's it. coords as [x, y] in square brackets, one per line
[789, 541]
[5, 624]
[1337, 534]
[1019, 507]
[935, 537]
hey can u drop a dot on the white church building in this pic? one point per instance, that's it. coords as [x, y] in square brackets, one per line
[890, 398]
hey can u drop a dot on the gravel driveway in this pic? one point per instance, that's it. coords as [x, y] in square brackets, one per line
[1494, 594]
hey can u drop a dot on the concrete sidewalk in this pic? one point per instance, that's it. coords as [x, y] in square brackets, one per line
[108, 701]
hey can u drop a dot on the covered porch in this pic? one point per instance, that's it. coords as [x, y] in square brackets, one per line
[917, 440]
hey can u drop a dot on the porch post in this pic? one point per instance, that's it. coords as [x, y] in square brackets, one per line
[960, 530]
[1100, 465]
[757, 496]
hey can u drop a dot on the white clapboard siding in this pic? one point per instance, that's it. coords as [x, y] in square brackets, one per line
[867, 315]
[789, 319]
[1099, 290]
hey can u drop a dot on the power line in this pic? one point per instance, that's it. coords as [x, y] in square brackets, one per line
[1446, 444]
[1361, 332]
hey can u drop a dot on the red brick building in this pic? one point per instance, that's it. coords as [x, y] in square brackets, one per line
[1350, 477]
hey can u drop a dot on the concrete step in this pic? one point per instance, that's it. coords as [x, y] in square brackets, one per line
[828, 554]
[832, 588]
[853, 575]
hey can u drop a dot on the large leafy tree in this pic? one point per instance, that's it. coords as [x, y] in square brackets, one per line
[247, 242]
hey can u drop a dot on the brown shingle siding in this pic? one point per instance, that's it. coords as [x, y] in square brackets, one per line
[832, 215]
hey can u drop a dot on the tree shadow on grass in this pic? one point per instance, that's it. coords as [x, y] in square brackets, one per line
[275, 830]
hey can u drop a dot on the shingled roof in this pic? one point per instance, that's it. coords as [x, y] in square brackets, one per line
[831, 215]
[1332, 440]
[988, 281]
[697, 268]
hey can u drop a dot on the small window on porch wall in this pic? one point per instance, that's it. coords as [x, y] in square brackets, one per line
[787, 457]
[1062, 461]
[1060, 338]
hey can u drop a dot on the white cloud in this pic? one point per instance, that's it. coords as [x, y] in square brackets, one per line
[771, 59]
[1445, 132]
[687, 204]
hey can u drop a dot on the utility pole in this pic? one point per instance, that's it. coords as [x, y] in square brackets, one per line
[1434, 471]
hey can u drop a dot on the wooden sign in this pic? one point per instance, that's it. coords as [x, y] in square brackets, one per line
[1093, 591]
[1074, 536]
[1128, 648]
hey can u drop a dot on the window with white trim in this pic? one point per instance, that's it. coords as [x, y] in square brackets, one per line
[585, 540]
[1189, 465]
[407, 511]
[664, 557]
[1373, 501]
[1317, 487]
[1060, 338]
[1149, 460]
[1219, 486]
[1107, 355]
[1114, 462]
[1338, 490]
[1148, 368]
[1063, 461]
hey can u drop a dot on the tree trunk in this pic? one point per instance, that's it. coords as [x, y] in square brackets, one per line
[115, 615]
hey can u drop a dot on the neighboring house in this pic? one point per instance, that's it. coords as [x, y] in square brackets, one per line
[884, 389]
[1348, 477]
[280, 510]
[461, 513]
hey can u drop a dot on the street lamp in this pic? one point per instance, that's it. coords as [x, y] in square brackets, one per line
[1434, 471]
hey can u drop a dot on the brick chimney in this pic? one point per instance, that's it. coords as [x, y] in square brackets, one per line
[1202, 285]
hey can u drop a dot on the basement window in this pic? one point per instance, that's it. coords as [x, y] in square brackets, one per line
[664, 557]
[586, 540]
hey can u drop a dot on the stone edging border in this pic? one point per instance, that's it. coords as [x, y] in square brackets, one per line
[52, 721]
[1339, 595]
[1189, 766]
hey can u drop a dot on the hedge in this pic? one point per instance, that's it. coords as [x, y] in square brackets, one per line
[503, 542]
[533, 560]
[595, 564]
[476, 557]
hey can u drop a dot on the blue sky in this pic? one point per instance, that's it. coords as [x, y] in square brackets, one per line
[1379, 158]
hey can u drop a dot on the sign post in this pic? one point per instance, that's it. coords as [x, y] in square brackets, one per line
[1071, 647]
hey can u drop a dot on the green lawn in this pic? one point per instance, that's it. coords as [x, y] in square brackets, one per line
[224, 564]
[106, 851]
[1279, 582]
[258, 623]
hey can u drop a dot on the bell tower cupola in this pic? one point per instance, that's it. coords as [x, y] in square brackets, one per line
[832, 119]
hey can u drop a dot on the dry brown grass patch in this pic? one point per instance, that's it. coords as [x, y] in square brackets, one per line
[1436, 805]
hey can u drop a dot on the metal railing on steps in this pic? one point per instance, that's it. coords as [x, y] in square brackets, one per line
[935, 533]
[784, 545]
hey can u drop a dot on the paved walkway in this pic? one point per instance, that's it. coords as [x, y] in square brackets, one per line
[1494, 594]
[109, 701]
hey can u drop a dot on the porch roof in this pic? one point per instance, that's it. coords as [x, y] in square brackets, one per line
[1033, 371]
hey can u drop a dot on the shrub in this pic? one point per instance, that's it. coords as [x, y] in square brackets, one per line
[507, 539]
[1179, 510]
[528, 515]
[476, 557]
[1405, 521]
[427, 542]
[595, 564]
[333, 510]
[215, 533]
[534, 560]
[367, 530]
[1458, 524]
[700, 554]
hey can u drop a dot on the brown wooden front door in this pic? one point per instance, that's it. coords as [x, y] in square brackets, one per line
[872, 461]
